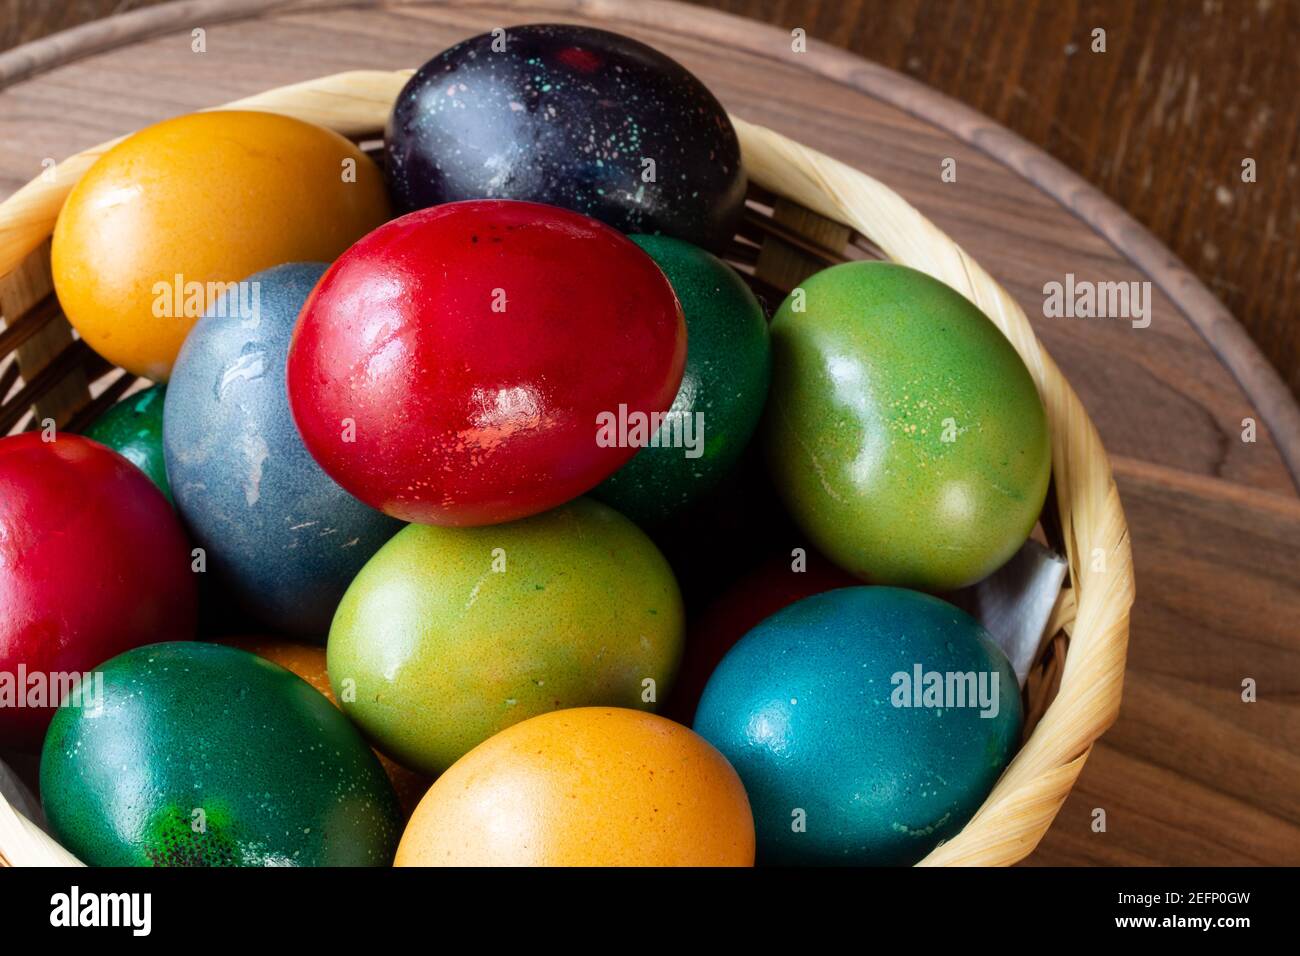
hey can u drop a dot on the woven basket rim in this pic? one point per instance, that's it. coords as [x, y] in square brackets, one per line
[1095, 606]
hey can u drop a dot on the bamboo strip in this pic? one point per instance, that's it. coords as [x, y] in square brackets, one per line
[23, 843]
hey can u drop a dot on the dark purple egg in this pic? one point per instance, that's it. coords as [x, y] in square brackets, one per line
[574, 117]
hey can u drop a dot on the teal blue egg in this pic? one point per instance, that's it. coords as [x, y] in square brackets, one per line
[868, 725]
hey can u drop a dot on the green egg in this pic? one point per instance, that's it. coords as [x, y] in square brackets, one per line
[904, 433]
[720, 401]
[133, 429]
[448, 635]
[194, 754]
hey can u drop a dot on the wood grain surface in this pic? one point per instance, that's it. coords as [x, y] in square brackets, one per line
[1160, 121]
[1191, 773]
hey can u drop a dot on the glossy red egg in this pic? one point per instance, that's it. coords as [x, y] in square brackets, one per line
[93, 562]
[453, 366]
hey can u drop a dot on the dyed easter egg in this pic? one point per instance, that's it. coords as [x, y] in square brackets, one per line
[308, 662]
[278, 532]
[573, 117]
[724, 385]
[827, 712]
[133, 429]
[449, 635]
[204, 755]
[775, 584]
[717, 540]
[905, 434]
[93, 561]
[163, 222]
[455, 366]
[593, 786]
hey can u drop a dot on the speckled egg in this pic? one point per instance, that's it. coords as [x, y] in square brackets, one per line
[449, 635]
[277, 531]
[719, 403]
[164, 221]
[775, 584]
[904, 433]
[592, 786]
[867, 723]
[204, 755]
[133, 429]
[574, 117]
[308, 662]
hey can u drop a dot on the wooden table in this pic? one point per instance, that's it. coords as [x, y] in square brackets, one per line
[1189, 89]
[1190, 773]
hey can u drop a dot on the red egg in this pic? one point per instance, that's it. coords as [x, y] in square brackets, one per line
[93, 561]
[456, 366]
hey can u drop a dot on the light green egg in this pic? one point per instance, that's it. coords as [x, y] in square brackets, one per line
[449, 635]
[903, 431]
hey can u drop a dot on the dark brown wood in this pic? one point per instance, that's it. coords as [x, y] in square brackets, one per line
[1160, 121]
[1271, 401]
[42, 340]
[18, 330]
[1189, 773]
[118, 384]
[798, 243]
[76, 358]
[8, 375]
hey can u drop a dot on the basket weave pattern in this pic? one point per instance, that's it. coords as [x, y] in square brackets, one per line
[810, 210]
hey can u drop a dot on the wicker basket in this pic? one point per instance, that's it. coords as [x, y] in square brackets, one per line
[806, 211]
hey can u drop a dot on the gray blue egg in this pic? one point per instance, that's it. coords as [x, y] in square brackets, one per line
[570, 116]
[868, 725]
[279, 534]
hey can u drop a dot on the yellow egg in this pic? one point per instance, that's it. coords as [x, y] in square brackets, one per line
[164, 221]
[591, 786]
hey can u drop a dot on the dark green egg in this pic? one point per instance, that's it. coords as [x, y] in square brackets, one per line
[720, 401]
[133, 429]
[197, 754]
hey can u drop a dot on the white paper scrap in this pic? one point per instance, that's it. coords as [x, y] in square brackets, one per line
[1015, 602]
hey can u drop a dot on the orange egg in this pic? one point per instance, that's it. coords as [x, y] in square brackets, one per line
[163, 221]
[308, 662]
[592, 786]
